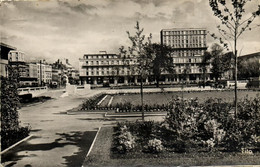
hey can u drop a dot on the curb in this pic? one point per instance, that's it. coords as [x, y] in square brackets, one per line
[12, 146]
[134, 115]
[93, 142]
[84, 113]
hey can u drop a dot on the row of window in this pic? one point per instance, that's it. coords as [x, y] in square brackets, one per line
[100, 56]
[107, 73]
[188, 37]
[185, 41]
[177, 32]
[178, 60]
[184, 45]
[112, 62]
[185, 53]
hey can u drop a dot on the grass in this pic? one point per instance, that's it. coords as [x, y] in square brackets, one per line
[164, 98]
[101, 155]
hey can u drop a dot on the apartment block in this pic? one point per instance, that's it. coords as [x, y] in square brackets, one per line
[189, 46]
[103, 67]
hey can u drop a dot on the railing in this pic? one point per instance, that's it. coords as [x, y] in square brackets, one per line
[31, 90]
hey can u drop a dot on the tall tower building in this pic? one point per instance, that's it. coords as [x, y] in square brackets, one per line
[189, 46]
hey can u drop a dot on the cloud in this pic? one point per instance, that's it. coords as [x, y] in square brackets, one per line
[68, 29]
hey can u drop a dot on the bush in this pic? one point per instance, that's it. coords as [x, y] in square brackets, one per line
[10, 137]
[125, 141]
[11, 131]
[192, 126]
[155, 146]
[212, 124]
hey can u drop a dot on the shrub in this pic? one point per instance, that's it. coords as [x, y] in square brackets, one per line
[239, 131]
[11, 136]
[125, 140]
[181, 121]
[11, 131]
[155, 146]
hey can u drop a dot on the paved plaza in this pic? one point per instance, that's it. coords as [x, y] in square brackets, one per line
[52, 131]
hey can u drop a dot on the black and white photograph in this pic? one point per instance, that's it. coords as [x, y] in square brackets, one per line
[130, 83]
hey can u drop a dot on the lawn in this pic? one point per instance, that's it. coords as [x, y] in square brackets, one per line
[164, 98]
[101, 155]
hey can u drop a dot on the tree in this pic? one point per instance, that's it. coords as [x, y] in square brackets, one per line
[141, 58]
[234, 24]
[221, 61]
[162, 60]
[248, 68]
[205, 64]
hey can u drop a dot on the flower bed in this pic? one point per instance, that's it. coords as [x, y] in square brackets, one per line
[191, 126]
[153, 102]
[91, 103]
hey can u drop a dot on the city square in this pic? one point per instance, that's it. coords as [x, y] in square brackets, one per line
[130, 83]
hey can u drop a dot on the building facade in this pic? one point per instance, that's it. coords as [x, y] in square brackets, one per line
[16, 60]
[44, 73]
[103, 67]
[189, 47]
[4, 53]
[27, 71]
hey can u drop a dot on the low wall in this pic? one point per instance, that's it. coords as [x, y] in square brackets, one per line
[72, 89]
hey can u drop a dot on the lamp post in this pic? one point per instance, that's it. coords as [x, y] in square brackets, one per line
[41, 72]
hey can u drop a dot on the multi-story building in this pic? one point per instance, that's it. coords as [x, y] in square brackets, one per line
[97, 68]
[16, 60]
[62, 71]
[27, 72]
[44, 72]
[189, 46]
[4, 53]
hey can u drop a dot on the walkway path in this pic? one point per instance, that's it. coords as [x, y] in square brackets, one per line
[55, 133]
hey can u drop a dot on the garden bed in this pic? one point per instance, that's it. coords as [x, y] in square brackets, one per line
[102, 155]
[153, 102]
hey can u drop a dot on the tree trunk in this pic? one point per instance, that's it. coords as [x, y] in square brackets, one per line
[235, 83]
[157, 82]
[235, 47]
[142, 98]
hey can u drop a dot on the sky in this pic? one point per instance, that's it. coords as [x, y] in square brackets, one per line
[52, 29]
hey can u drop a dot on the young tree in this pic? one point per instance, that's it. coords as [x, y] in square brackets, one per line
[162, 60]
[141, 58]
[234, 24]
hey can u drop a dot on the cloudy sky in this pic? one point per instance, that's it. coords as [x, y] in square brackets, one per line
[67, 29]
